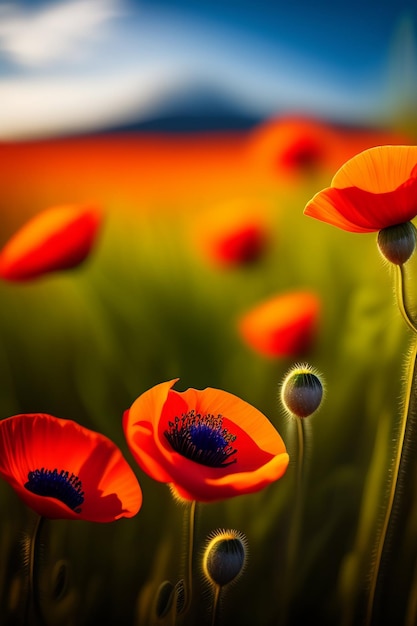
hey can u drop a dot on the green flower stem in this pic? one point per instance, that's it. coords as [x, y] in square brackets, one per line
[296, 524]
[411, 614]
[188, 586]
[397, 475]
[401, 301]
[299, 456]
[216, 603]
[33, 612]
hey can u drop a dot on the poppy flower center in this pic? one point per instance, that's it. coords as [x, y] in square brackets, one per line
[202, 438]
[60, 485]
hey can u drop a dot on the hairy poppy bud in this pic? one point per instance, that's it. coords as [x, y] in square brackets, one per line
[224, 556]
[397, 243]
[302, 391]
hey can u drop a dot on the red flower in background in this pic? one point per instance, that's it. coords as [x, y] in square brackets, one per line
[62, 470]
[294, 145]
[206, 444]
[233, 234]
[56, 239]
[375, 189]
[282, 326]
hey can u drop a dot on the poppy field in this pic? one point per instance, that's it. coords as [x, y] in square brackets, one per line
[208, 398]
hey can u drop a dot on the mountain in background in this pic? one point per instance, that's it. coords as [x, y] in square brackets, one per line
[189, 108]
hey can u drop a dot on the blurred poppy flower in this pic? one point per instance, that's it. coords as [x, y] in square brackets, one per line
[293, 145]
[62, 470]
[282, 326]
[56, 239]
[233, 234]
[374, 190]
[206, 444]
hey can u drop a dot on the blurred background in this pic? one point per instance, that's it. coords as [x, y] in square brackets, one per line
[185, 122]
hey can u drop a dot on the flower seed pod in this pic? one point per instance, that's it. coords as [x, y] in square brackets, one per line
[164, 597]
[397, 243]
[224, 557]
[302, 391]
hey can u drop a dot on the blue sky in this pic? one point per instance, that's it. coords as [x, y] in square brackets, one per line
[75, 65]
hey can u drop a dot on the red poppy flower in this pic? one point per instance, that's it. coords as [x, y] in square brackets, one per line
[55, 239]
[293, 145]
[64, 471]
[375, 189]
[290, 146]
[233, 234]
[206, 444]
[282, 326]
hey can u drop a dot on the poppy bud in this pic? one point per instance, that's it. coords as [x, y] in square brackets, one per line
[302, 391]
[164, 597]
[60, 580]
[224, 556]
[397, 243]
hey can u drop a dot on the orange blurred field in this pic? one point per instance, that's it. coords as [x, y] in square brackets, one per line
[151, 172]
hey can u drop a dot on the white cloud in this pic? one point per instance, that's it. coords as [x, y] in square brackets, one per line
[146, 60]
[56, 31]
[48, 106]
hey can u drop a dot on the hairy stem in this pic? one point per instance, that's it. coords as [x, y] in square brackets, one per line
[299, 496]
[299, 456]
[401, 301]
[188, 586]
[33, 612]
[216, 603]
[397, 475]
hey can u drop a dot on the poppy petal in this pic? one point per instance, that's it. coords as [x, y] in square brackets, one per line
[359, 211]
[41, 444]
[254, 469]
[110, 484]
[56, 239]
[378, 170]
[240, 412]
[144, 447]
[232, 484]
[150, 403]
[254, 480]
[239, 418]
[140, 424]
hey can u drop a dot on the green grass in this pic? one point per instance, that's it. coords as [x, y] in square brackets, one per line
[146, 308]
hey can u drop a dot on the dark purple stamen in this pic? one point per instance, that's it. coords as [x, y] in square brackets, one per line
[60, 485]
[201, 438]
